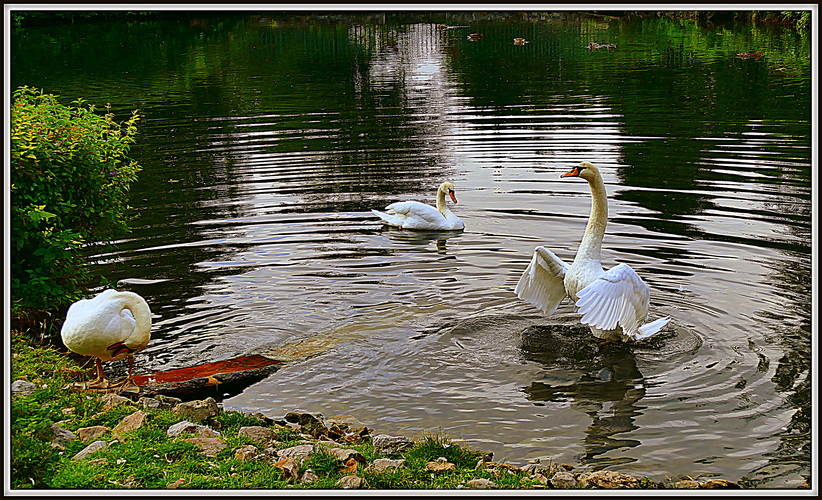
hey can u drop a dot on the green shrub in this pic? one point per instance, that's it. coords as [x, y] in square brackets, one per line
[70, 178]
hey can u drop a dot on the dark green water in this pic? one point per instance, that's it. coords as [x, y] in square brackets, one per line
[266, 142]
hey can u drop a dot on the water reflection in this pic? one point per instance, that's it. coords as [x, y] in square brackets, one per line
[421, 238]
[603, 382]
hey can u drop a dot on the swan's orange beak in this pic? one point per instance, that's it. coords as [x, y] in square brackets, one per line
[453, 197]
[574, 172]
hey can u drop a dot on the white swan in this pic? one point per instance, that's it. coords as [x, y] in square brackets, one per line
[613, 303]
[113, 325]
[416, 215]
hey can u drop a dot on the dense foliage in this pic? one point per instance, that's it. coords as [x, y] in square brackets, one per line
[70, 178]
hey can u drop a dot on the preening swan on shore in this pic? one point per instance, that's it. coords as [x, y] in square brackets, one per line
[419, 216]
[613, 303]
[111, 326]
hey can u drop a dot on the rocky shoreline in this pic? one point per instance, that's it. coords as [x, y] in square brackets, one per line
[335, 437]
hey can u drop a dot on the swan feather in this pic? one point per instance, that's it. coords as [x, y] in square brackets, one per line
[541, 284]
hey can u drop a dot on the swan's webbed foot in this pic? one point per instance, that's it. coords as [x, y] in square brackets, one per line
[100, 383]
[128, 386]
[93, 385]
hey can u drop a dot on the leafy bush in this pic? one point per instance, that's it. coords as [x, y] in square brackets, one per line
[70, 178]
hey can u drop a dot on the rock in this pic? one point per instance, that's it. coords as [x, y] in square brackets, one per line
[111, 400]
[258, 433]
[262, 417]
[563, 480]
[186, 426]
[167, 402]
[148, 403]
[497, 467]
[289, 466]
[92, 448]
[209, 447]
[537, 468]
[130, 423]
[61, 436]
[351, 438]
[606, 479]
[349, 482]
[337, 432]
[385, 464]
[91, 433]
[160, 401]
[269, 453]
[354, 435]
[344, 455]
[22, 387]
[197, 411]
[481, 484]
[246, 452]
[391, 445]
[540, 478]
[440, 466]
[309, 477]
[309, 424]
[300, 452]
[686, 484]
[719, 484]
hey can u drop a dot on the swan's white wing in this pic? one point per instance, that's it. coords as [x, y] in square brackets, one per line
[541, 284]
[417, 210]
[456, 222]
[617, 298]
[414, 215]
[391, 219]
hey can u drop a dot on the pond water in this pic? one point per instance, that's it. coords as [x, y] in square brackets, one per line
[267, 140]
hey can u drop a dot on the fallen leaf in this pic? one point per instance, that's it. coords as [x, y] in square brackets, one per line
[350, 466]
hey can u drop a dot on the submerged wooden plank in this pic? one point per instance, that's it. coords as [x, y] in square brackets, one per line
[209, 374]
[226, 367]
[197, 377]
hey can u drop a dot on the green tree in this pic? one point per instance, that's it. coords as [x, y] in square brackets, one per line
[70, 178]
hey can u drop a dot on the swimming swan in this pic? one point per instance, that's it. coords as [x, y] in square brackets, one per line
[113, 325]
[613, 303]
[416, 215]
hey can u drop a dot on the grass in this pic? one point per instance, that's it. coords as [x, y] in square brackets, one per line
[147, 458]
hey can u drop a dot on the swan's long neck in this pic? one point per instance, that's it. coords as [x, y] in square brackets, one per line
[591, 246]
[441, 205]
[139, 309]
